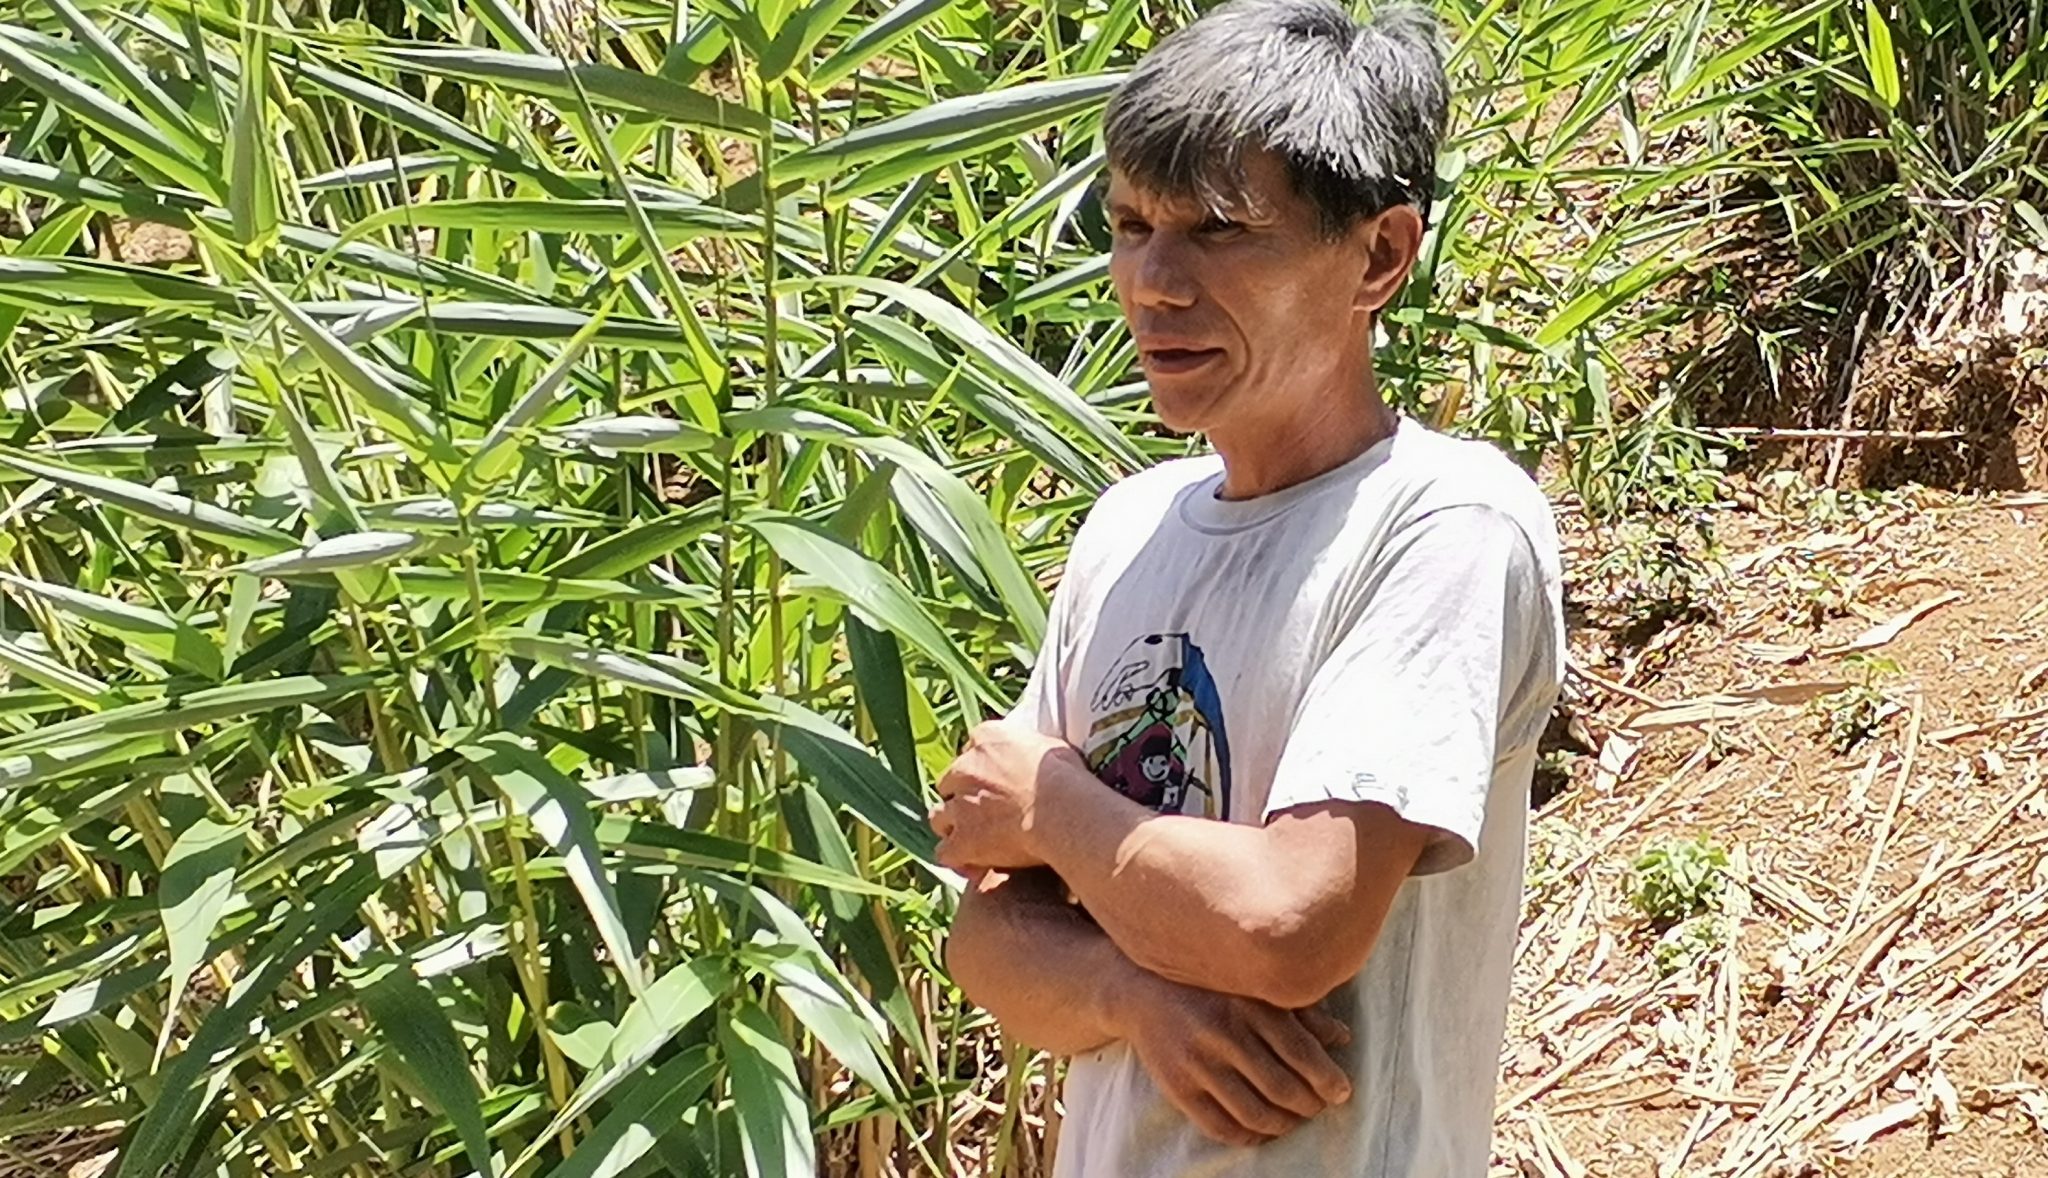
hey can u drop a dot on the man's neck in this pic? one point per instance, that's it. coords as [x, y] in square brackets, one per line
[1262, 457]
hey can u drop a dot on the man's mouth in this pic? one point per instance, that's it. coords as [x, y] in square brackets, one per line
[1175, 361]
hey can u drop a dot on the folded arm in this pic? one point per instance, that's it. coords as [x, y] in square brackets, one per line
[1283, 912]
[1031, 959]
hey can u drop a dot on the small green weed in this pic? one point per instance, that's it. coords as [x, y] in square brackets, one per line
[1818, 594]
[1554, 847]
[1855, 714]
[1684, 945]
[1679, 880]
[1661, 571]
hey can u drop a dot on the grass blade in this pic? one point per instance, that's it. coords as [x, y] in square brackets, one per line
[653, 1106]
[774, 1114]
[411, 1021]
[117, 123]
[657, 1016]
[560, 814]
[198, 884]
[872, 589]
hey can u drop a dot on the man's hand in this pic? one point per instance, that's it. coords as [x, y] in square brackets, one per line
[1244, 1072]
[993, 791]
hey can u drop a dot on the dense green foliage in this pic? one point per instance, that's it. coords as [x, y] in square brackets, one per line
[508, 506]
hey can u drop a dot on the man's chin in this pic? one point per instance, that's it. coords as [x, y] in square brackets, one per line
[1182, 411]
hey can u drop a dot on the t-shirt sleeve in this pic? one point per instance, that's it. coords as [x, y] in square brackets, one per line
[1447, 667]
[1039, 705]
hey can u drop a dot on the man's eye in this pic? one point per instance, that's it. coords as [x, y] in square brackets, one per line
[1131, 225]
[1215, 226]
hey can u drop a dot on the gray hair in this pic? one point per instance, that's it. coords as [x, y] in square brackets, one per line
[1353, 111]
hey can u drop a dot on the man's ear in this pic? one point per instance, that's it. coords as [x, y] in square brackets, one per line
[1395, 240]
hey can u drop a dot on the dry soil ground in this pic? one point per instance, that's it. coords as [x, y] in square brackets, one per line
[1875, 1002]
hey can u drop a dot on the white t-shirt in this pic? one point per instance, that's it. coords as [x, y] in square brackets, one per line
[1388, 631]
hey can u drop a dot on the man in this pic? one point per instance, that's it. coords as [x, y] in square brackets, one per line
[1346, 627]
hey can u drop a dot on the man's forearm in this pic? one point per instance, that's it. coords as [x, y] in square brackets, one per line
[1183, 897]
[1042, 968]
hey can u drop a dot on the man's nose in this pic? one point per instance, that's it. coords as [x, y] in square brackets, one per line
[1161, 277]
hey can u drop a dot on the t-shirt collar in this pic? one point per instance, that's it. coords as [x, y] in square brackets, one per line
[1201, 509]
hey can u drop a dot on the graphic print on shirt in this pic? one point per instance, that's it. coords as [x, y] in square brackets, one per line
[1156, 734]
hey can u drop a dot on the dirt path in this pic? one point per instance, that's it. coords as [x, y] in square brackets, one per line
[1870, 998]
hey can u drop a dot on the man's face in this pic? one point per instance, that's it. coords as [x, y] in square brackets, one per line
[1238, 314]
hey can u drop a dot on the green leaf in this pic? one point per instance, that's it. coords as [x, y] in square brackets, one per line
[796, 37]
[872, 589]
[357, 550]
[657, 1016]
[63, 761]
[403, 417]
[549, 77]
[655, 842]
[191, 709]
[1004, 359]
[36, 282]
[412, 1023]
[1600, 298]
[900, 21]
[883, 693]
[1758, 42]
[41, 668]
[846, 772]
[774, 1114]
[638, 434]
[198, 884]
[165, 115]
[168, 509]
[252, 168]
[1879, 59]
[53, 237]
[964, 507]
[169, 1123]
[498, 455]
[121, 126]
[675, 223]
[1055, 288]
[934, 135]
[560, 813]
[495, 585]
[423, 120]
[652, 1106]
[153, 631]
[816, 992]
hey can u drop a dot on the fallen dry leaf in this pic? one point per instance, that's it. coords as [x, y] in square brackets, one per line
[1985, 727]
[2036, 1104]
[1943, 1103]
[1894, 626]
[1811, 546]
[1860, 1131]
[1775, 652]
[1617, 754]
[2033, 678]
[1730, 705]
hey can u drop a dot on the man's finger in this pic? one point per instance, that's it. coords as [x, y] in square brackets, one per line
[1206, 1115]
[1247, 1107]
[1276, 1080]
[1326, 1027]
[1307, 1055]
